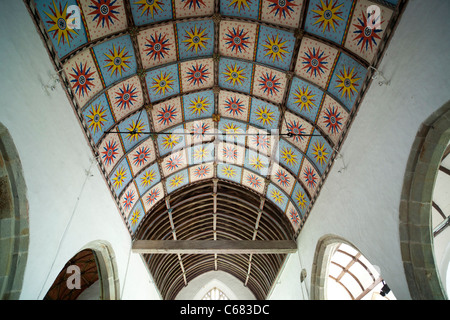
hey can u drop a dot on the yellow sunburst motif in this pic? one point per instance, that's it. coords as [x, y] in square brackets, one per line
[256, 163]
[264, 115]
[239, 4]
[176, 181]
[162, 83]
[277, 196]
[304, 98]
[289, 156]
[149, 6]
[300, 197]
[135, 130]
[148, 177]
[200, 153]
[347, 82]
[199, 105]
[96, 117]
[61, 23]
[119, 177]
[171, 140]
[228, 171]
[275, 48]
[195, 39]
[320, 153]
[118, 60]
[231, 128]
[234, 74]
[327, 15]
[135, 216]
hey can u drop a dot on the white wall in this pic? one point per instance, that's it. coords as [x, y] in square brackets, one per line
[65, 209]
[361, 204]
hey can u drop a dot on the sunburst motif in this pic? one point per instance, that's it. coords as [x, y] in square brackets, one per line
[117, 60]
[196, 75]
[282, 8]
[264, 115]
[293, 215]
[314, 62]
[150, 7]
[296, 129]
[367, 31]
[254, 181]
[141, 156]
[176, 181]
[282, 178]
[128, 199]
[153, 196]
[347, 82]
[105, 11]
[320, 153]
[174, 162]
[234, 106]
[275, 48]
[171, 140]
[327, 15]
[333, 120]
[162, 82]
[310, 176]
[234, 74]
[304, 98]
[261, 141]
[82, 79]
[135, 130]
[157, 47]
[148, 178]
[126, 96]
[96, 117]
[135, 217]
[301, 201]
[277, 196]
[240, 4]
[109, 152]
[61, 23]
[237, 40]
[199, 129]
[196, 39]
[228, 171]
[119, 177]
[288, 155]
[166, 114]
[202, 171]
[199, 106]
[230, 153]
[256, 163]
[200, 153]
[196, 4]
[269, 83]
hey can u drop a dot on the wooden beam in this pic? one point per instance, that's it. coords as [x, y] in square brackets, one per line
[214, 246]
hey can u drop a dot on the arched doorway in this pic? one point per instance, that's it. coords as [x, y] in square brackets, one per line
[91, 274]
[14, 224]
[416, 207]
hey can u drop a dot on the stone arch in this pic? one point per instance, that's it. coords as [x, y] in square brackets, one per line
[107, 269]
[415, 206]
[14, 223]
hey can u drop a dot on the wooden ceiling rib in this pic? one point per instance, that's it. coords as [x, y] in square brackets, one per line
[193, 220]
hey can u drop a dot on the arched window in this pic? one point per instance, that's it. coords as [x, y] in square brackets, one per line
[215, 294]
[352, 277]
[341, 272]
[14, 223]
[424, 209]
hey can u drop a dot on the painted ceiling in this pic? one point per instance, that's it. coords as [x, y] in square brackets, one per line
[257, 93]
